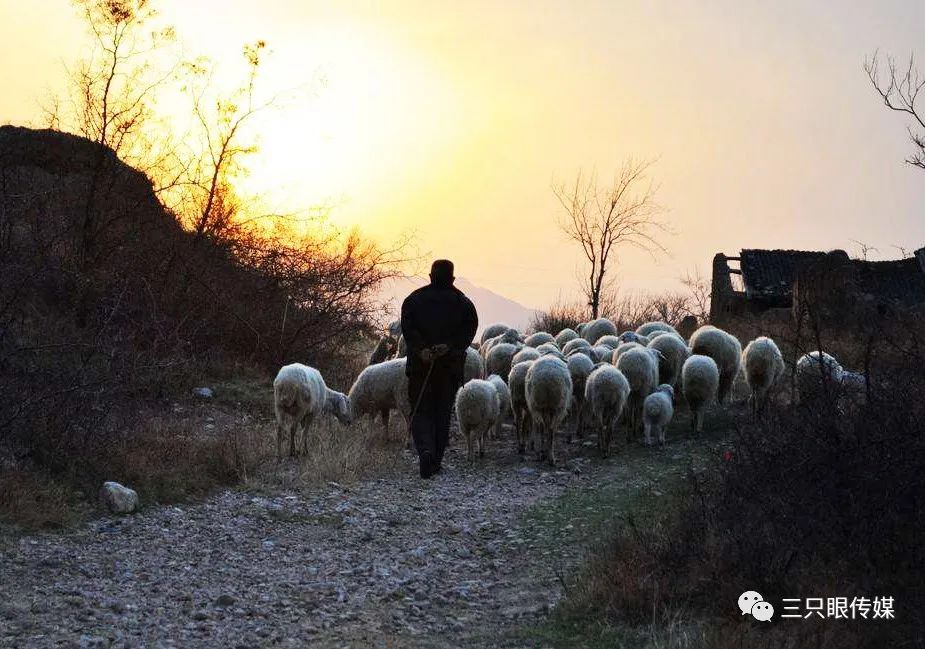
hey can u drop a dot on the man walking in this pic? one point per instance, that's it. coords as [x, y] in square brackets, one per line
[438, 322]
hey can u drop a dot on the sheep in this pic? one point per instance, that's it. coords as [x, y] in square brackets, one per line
[655, 334]
[700, 385]
[603, 352]
[649, 328]
[593, 330]
[540, 337]
[504, 396]
[555, 353]
[577, 343]
[525, 354]
[610, 340]
[657, 411]
[499, 359]
[565, 336]
[673, 352]
[640, 367]
[725, 349]
[815, 370]
[548, 347]
[510, 336]
[516, 381]
[622, 349]
[379, 389]
[579, 367]
[764, 364]
[633, 337]
[606, 392]
[492, 330]
[473, 369]
[299, 396]
[384, 350]
[548, 391]
[478, 408]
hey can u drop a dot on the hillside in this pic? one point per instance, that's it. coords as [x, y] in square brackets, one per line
[491, 307]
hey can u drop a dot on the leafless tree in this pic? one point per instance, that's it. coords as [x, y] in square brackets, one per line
[698, 299]
[601, 219]
[865, 249]
[899, 87]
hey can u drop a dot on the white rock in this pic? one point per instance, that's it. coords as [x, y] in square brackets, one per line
[119, 499]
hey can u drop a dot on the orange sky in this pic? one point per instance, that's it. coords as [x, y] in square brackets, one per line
[450, 120]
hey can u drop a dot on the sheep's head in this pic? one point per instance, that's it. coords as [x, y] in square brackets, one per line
[667, 389]
[338, 405]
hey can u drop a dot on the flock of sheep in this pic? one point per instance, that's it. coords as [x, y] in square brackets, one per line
[589, 378]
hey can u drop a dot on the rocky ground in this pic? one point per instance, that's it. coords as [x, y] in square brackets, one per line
[459, 560]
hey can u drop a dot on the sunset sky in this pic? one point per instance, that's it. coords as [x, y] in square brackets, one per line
[451, 120]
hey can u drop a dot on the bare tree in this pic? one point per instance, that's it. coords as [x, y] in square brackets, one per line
[899, 87]
[111, 93]
[601, 219]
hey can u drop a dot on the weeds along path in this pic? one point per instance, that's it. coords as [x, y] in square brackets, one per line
[460, 560]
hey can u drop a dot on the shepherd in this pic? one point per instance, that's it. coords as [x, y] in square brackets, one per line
[439, 323]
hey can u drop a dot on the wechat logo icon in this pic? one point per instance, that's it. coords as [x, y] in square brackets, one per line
[751, 602]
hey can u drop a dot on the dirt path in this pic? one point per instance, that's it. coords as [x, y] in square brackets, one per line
[391, 562]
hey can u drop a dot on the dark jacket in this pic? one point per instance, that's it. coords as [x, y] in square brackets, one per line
[438, 314]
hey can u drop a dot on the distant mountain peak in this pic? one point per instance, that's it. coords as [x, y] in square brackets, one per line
[491, 306]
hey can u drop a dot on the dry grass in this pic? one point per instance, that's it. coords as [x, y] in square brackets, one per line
[337, 454]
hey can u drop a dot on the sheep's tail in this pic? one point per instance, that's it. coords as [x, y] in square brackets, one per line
[286, 394]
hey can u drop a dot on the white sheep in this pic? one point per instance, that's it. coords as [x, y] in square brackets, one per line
[579, 367]
[478, 408]
[657, 411]
[674, 352]
[725, 349]
[622, 349]
[649, 328]
[493, 330]
[379, 389]
[510, 336]
[700, 385]
[640, 367]
[517, 382]
[764, 364]
[545, 348]
[525, 354]
[816, 371]
[299, 397]
[593, 330]
[606, 392]
[549, 392]
[610, 340]
[394, 329]
[573, 345]
[565, 336]
[504, 397]
[604, 353]
[538, 338]
[633, 337]
[499, 359]
[474, 368]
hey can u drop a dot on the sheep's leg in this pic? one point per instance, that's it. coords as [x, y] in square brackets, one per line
[647, 428]
[279, 441]
[470, 445]
[579, 427]
[306, 424]
[384, 414]
[292, 426]
[551, 445]
[661, 434]
[482, 435]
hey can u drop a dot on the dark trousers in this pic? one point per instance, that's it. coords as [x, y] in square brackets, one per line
[430, 425]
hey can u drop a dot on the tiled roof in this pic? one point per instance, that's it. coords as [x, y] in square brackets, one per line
[900, 279]
[770, 273]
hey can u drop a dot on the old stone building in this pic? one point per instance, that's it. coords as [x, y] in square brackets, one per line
[780, 283]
